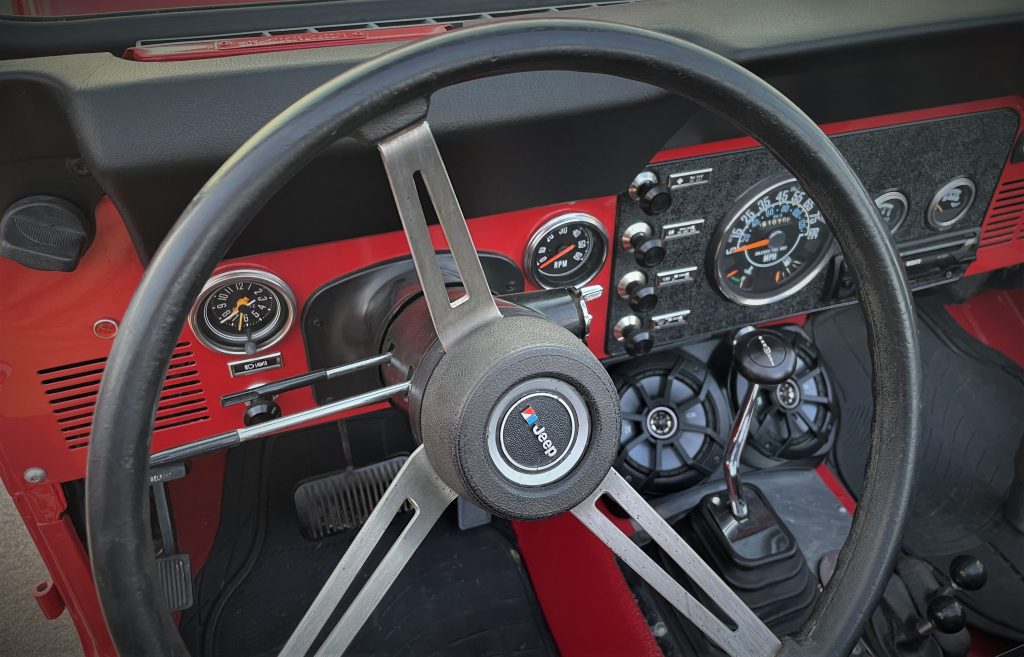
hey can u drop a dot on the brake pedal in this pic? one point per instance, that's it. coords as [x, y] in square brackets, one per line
[343, 500]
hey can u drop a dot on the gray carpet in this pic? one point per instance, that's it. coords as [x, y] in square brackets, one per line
[23, 630]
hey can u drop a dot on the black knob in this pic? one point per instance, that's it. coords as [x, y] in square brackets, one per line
[946, 614]
[647, 249]
[653, 197]
[967, 573]
[261, 409]
[638, 341]
[764, 356]
[642, 297]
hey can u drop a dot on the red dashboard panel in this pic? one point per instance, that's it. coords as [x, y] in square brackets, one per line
[52, 359]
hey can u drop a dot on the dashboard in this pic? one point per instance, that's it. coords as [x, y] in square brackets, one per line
[707, 238]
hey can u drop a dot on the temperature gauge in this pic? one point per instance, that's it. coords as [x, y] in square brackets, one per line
[951, 203]
[567, 251]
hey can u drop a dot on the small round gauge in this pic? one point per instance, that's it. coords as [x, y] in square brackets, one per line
[951, 203]
[567, 251]
[771, 244]
[892, 207]
[241, 307]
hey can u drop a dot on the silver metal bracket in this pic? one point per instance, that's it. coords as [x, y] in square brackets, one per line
[751, 638]
[417, 484]
[414, 165]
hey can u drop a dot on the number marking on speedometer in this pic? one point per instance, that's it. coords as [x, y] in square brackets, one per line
[779, 240]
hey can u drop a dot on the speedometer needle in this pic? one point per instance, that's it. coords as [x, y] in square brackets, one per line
[562, 253]
[753, 245]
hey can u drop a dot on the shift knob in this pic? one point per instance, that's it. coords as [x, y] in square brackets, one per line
[946, 614]
[967, 573]
[764, 356]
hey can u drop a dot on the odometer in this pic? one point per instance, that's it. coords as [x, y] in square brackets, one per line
[771, 244]
[242, 310]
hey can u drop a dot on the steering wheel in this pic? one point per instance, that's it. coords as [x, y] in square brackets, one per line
[478, 365]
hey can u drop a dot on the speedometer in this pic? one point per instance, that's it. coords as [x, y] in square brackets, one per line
[772, 244]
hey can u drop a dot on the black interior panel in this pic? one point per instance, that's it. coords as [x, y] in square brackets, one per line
[916, 159]
[535, 138]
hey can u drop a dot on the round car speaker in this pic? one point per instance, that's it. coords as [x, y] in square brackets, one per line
[674, 417]
[797, 418]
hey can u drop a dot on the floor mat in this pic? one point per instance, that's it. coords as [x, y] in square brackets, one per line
[463, 593]
[972, 428]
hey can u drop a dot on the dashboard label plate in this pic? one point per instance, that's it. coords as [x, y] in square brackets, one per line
[253, 365]
[668, 320]
[689, 178]
[676, 276]
[681, 229]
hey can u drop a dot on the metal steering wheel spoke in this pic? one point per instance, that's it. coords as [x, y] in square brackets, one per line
[416, 483]
[414, 166]
[751, 638]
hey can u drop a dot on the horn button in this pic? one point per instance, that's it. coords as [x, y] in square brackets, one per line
[538, 432]
[519, 417]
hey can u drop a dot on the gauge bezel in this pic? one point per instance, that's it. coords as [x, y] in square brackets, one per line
[263, 341]
[758, 190]
[946, 225]
[552, 224]
[888, 196]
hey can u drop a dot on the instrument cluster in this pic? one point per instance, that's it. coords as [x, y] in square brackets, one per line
[710, 242]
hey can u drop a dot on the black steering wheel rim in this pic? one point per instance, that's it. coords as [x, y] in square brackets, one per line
[117, 504]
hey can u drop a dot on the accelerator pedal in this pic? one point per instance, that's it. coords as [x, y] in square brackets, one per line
[334, 502]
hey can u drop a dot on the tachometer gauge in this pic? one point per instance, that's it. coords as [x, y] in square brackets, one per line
[566, 251]
[771, 244]
[242, 307]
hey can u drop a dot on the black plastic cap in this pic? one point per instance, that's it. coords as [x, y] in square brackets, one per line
[648, 251]
[946, 614]
[765, 356]
[45, 233]
[967, 573]
[638, 342]
[655, 199]
[643, 298]
[260, 411]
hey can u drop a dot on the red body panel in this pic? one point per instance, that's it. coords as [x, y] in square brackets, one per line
[47, 321]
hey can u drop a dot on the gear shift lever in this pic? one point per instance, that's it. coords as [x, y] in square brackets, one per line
[764, 357]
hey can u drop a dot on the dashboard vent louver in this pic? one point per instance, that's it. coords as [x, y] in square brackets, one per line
[1005, 219]
[71, 391]
[441, 19]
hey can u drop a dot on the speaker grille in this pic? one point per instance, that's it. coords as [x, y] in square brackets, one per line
[71, 391]
[672, 422]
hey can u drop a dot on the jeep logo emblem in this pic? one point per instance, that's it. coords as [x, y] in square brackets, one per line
[538, 432]
[530, 416]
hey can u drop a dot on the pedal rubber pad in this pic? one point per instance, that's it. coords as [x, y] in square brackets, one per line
[334, 502]
[175, 572]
